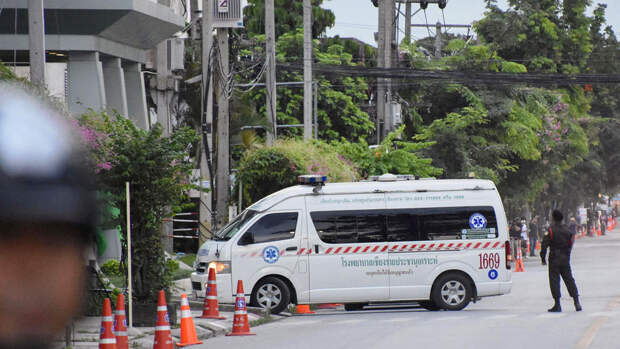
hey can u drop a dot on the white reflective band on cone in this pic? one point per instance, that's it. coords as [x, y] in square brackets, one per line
[162, 308]
[107, 319]
[162, 328]
[211, 282]
[120, 333]
[108, 341]
[184, 301]
[120, 312]
[241, 312]
[186, 313]
[211, 297]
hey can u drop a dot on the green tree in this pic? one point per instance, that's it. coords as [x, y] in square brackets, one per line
[159, 174]
[289, 17]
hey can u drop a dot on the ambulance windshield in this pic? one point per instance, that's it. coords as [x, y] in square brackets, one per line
[234, 226]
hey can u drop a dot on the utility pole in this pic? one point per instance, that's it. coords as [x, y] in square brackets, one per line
[222, 179]
[206, 114]
[307, 70]
[194, 16]
[386, 42]
[408, 22]
[36, 36]
[438, 40]
[270, 33]
[380, 104]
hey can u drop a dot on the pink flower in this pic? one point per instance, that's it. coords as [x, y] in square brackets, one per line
[104, 166]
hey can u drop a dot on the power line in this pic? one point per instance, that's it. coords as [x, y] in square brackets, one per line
[459, 76]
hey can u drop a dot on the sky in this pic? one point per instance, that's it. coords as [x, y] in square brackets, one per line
[358, 18]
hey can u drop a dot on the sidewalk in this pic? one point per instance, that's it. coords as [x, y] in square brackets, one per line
[86, 330]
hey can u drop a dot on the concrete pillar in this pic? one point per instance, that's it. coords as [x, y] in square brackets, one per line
[115, 94]
[86, 83]
[136, 95]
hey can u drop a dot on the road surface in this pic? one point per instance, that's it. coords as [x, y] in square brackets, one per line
[518, 320]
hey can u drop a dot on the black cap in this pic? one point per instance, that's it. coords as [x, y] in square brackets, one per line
[43, 177]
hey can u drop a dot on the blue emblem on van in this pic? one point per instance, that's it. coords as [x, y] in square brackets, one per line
[493, 274]
[271, 254]
[477, 221]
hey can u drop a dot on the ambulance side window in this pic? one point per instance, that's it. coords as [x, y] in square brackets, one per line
[274, 227]
[451, 223]
[402, 225]
[371, 227]
[335, 227]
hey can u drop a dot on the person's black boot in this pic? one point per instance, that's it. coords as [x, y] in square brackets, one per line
[556, 307]
[577, 304]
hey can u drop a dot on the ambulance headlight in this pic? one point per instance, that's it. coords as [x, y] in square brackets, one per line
[220, 267]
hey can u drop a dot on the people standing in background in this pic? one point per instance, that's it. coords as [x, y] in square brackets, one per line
[524, 237]
[533, 235]
[515, 237]
[572, 226]
[603, 223]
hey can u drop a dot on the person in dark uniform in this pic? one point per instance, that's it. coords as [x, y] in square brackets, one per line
[559, 241]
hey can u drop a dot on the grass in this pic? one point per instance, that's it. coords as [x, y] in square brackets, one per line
[188, 259]
[261, 321]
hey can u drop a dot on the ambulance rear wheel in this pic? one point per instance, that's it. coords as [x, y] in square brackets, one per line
[354, 306]
[271, 293]
[452, 291]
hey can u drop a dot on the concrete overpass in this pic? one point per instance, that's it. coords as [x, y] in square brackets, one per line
[104, 44]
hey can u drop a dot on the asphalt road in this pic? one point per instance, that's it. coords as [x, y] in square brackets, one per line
[518, 320]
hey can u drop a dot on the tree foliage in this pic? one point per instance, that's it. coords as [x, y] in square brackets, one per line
[159, 175]
[289, 17]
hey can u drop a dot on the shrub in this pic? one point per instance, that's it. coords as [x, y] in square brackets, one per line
[266, 170]
[111, 268]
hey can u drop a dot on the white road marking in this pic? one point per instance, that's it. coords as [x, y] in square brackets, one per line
[603, 313]
[397, 320]
[502, 317]
[451, 318]
[551, 315]
[298, 323]
[348, 322]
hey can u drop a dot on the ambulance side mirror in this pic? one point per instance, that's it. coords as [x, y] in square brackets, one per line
[247, 239]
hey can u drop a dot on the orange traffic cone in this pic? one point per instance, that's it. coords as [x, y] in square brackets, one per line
[163, 338]
[537, 245]
[188, 331]
[241, 325]
[519, 266]
[107, 339]
[120, 324]
[303, 309]
[211, 308]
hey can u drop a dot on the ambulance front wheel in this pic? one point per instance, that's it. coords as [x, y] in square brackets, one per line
[452, 291]
[271, 293]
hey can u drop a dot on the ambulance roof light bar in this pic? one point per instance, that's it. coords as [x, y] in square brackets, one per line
[313, 180]
[388, 177]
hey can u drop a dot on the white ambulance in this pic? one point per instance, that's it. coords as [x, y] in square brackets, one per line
[442, 243]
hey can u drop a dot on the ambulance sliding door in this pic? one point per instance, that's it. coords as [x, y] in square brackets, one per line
[345, 248]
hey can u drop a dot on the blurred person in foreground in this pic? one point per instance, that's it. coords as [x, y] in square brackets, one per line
[559, 240]
[47, 217]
